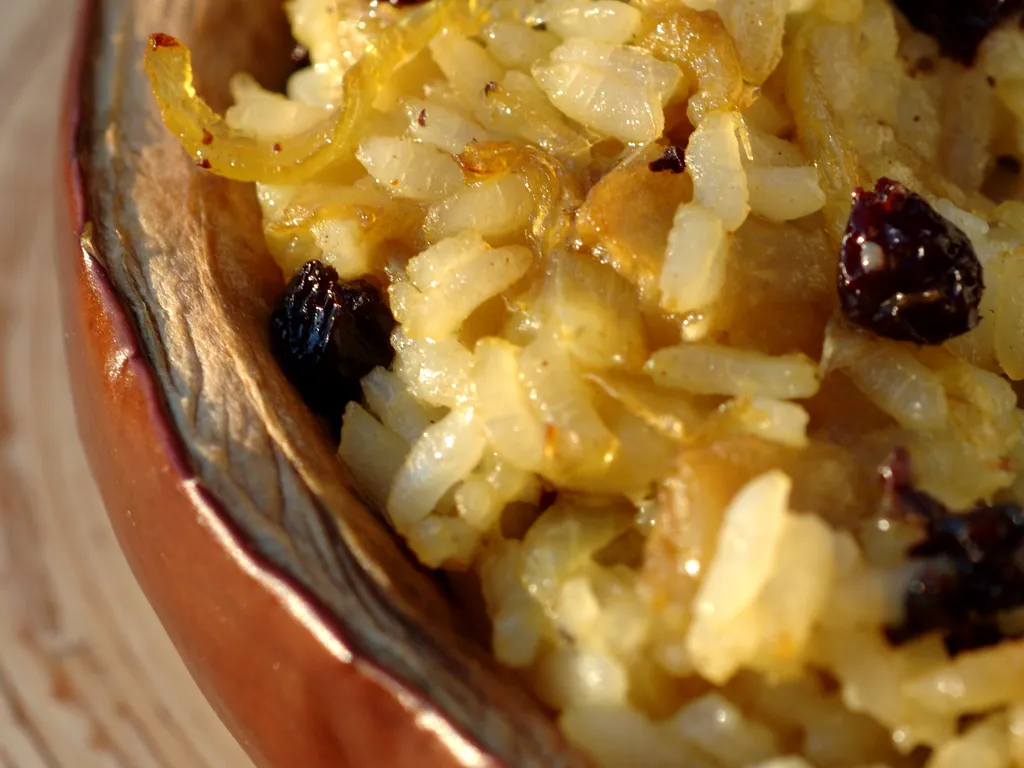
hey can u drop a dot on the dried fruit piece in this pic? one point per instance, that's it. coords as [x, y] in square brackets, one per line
[327, 335]
[959, 26]
[900, 498]
[972, 565]
[672, 159]
[906, 272]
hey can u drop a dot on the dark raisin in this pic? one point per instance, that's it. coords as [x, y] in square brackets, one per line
[959, 26]
[548, 497]
[925, 66]
[327, 335]
[900, 499]
[405, 3]
[971, 565]
[906, 272]
[671, 159]
[978, 632]
[937, 600]
[932, 601]
[490, 87]
[1009, 163]
[974, 535]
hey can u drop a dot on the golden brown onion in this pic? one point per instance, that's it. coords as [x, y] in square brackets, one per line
[236, 155]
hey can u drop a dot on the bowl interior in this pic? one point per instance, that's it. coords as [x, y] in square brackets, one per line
[185, 254]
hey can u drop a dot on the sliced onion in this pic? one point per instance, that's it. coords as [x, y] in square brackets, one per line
[518, 107]
[698, 42]
[236, 155]
[673, 414]
[554, 191]
[593, 312]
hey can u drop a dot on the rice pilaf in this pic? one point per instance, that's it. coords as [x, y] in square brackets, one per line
[627, 396]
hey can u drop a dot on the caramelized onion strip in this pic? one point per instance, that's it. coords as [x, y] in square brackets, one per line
[236, 155]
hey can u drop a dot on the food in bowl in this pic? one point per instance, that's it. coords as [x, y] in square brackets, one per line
[689, 333]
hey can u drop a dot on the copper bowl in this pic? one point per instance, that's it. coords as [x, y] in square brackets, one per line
[307, 625]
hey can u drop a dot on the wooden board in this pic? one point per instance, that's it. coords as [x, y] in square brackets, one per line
[87, 675]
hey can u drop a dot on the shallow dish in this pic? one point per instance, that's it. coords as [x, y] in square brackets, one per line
[306, 624]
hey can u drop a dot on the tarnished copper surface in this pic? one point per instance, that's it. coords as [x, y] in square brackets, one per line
[307, 625]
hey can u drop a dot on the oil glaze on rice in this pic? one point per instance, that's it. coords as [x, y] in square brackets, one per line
[624, 398]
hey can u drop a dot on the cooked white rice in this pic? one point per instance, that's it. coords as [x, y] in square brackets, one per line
[708, 586]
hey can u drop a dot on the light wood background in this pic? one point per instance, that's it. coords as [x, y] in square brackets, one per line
[88, 678]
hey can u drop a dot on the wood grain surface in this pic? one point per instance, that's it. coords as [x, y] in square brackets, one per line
[87, 675]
